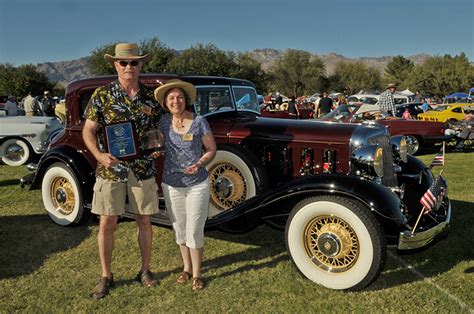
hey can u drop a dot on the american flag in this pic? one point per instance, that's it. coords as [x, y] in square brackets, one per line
[428, 200]
[439, 158]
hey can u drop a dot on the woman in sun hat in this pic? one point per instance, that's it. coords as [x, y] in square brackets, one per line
[190, 146]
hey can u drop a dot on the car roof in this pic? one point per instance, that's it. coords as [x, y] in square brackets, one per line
[156, 79]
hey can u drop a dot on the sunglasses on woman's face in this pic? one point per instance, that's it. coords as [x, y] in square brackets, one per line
[124, 64]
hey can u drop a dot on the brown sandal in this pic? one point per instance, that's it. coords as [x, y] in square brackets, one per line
[183, 277]
[198, 284]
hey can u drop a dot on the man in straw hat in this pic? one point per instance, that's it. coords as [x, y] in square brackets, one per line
[386, 101]
[123, 100]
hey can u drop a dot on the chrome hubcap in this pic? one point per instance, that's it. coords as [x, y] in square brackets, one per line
[14, 152]
[329, 244]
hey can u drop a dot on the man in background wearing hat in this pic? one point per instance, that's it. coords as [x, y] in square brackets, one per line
[32, 106]
[123, 100]
[48, 105]
[11, 107]
[386, 101]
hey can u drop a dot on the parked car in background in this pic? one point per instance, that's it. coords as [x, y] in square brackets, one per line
[373, 99]
[413, 108]
[419, 134]
[305, 109]
[23, 137]
[341, 192]
[3, 101]
[443, 113]
[60, 110]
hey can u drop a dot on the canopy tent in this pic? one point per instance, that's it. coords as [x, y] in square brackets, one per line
[407, 92]
[457, 96]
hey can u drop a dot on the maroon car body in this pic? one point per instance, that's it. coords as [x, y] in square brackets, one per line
[420, 134]
[340, 191]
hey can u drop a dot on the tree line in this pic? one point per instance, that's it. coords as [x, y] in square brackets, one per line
[296, 73]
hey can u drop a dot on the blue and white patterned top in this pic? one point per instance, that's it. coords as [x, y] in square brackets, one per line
[181, 153]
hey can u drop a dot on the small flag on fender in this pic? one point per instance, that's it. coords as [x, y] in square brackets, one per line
[439, 158]
[428, 200]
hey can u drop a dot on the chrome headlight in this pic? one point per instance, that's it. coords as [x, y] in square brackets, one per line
[399, 146]
[369, 159]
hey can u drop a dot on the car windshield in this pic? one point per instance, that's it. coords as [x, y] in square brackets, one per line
[369, 100]
[211, 99]
[340, 112]
[441, 108]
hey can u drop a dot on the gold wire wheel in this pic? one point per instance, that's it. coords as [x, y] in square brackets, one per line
[228, 186]
[331, 243]
[62, 195]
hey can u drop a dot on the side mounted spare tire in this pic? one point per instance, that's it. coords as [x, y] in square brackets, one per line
[62, 196]
[235, 175]
[335, 242]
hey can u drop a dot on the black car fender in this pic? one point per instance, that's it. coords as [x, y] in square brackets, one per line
[380, 200]
[75, 161]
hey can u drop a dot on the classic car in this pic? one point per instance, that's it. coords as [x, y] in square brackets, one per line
[60, 110]
[419, 134]
[341, 192]
[22, 137]
[443, 113]
[3, 101]
[413, 108]
[305, 109]
[373, 99]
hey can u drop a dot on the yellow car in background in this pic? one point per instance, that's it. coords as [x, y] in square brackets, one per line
[60, 111]
[443, 113]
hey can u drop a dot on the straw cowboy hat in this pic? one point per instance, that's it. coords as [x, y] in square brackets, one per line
[126, 51]
[188, 88]
[391, 86]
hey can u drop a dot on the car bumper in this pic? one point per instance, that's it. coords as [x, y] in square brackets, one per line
[409, 241]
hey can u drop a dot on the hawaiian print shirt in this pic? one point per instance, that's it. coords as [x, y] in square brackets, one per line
[110, 104]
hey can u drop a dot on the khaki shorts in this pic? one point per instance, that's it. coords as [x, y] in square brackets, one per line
[109, 196]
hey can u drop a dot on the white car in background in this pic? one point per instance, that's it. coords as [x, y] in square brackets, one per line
[22, 137]
[373, 99]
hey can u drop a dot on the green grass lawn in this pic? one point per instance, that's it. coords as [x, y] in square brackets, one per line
[48, 268]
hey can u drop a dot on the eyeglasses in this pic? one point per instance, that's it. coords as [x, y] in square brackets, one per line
[124, 64]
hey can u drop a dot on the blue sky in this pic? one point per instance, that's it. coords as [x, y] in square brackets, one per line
[35, 31]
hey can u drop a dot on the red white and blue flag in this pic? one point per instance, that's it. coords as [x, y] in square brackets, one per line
[437, 189]
[439, 158]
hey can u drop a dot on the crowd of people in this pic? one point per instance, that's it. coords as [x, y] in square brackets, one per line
[31, 105]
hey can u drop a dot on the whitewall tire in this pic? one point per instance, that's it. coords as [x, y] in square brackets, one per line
[15, 152]
[335, 242]
[234, 177]
[62, 195]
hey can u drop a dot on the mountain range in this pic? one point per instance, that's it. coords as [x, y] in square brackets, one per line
[67, 71]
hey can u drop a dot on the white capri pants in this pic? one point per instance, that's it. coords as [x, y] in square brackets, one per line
[188, 209]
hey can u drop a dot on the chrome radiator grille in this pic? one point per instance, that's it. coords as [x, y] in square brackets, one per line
[389, 179]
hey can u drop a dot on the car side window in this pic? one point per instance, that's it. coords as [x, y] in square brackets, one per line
[212, 98]
[246, 98]
[457, 110]
[83, 101]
